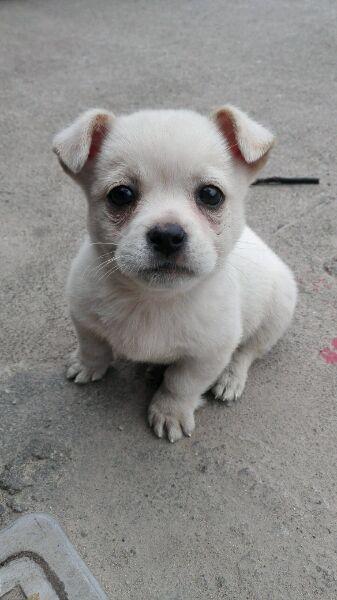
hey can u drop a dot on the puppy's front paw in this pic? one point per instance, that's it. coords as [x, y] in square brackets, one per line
[230, 385]
[171, 416]
[84, 373]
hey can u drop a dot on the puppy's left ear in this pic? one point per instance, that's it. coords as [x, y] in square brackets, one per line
[248, 142]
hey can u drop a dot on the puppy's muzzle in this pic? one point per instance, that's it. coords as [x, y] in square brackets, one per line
[167, 240]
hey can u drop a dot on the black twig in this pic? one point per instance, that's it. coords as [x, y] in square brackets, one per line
[287, 181]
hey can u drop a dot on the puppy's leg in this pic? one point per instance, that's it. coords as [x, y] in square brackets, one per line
[173, 405]
[91, 359]
[231, 383]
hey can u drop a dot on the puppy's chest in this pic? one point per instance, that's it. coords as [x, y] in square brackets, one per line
[150, 331]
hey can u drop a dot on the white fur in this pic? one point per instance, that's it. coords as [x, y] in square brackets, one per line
[209, 326]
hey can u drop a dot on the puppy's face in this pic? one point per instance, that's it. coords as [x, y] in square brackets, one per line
[165, 188]
[162, 192]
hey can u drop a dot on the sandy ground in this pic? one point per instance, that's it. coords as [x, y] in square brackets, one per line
[246, 509]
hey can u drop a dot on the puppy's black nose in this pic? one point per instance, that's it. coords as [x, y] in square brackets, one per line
[167, 239]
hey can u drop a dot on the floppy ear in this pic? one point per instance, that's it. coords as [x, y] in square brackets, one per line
[79, 143]
[248, 142]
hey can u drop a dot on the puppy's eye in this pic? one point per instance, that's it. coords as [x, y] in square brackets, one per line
[121, 195]
[210, 195]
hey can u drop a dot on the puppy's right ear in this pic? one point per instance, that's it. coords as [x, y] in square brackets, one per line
[78, 145]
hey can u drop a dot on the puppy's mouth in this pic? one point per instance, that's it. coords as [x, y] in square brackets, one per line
[166, 269]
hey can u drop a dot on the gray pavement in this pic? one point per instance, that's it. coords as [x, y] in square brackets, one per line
[246, 509]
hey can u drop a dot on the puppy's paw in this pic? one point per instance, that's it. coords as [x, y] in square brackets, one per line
[230, 385]
[84, 373]
[171, 417]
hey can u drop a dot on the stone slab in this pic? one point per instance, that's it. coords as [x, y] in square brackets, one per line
[36, 558]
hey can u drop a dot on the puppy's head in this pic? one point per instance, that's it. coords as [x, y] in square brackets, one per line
[165, 189]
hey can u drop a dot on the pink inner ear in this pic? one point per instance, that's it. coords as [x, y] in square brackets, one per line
[228, 130]
[98, 135]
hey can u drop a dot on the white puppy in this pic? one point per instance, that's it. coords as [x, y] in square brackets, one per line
[170, 273]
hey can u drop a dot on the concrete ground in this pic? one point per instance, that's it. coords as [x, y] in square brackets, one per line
[246, 509]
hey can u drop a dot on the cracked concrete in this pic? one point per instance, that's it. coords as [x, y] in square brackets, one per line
[247, 507]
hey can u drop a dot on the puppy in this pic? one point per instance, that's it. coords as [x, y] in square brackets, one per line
[170, 273]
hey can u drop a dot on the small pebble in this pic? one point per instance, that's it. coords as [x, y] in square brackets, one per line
[330, 266]
[11, 481]
[16, 507]
[220, 582]
[40, 449]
